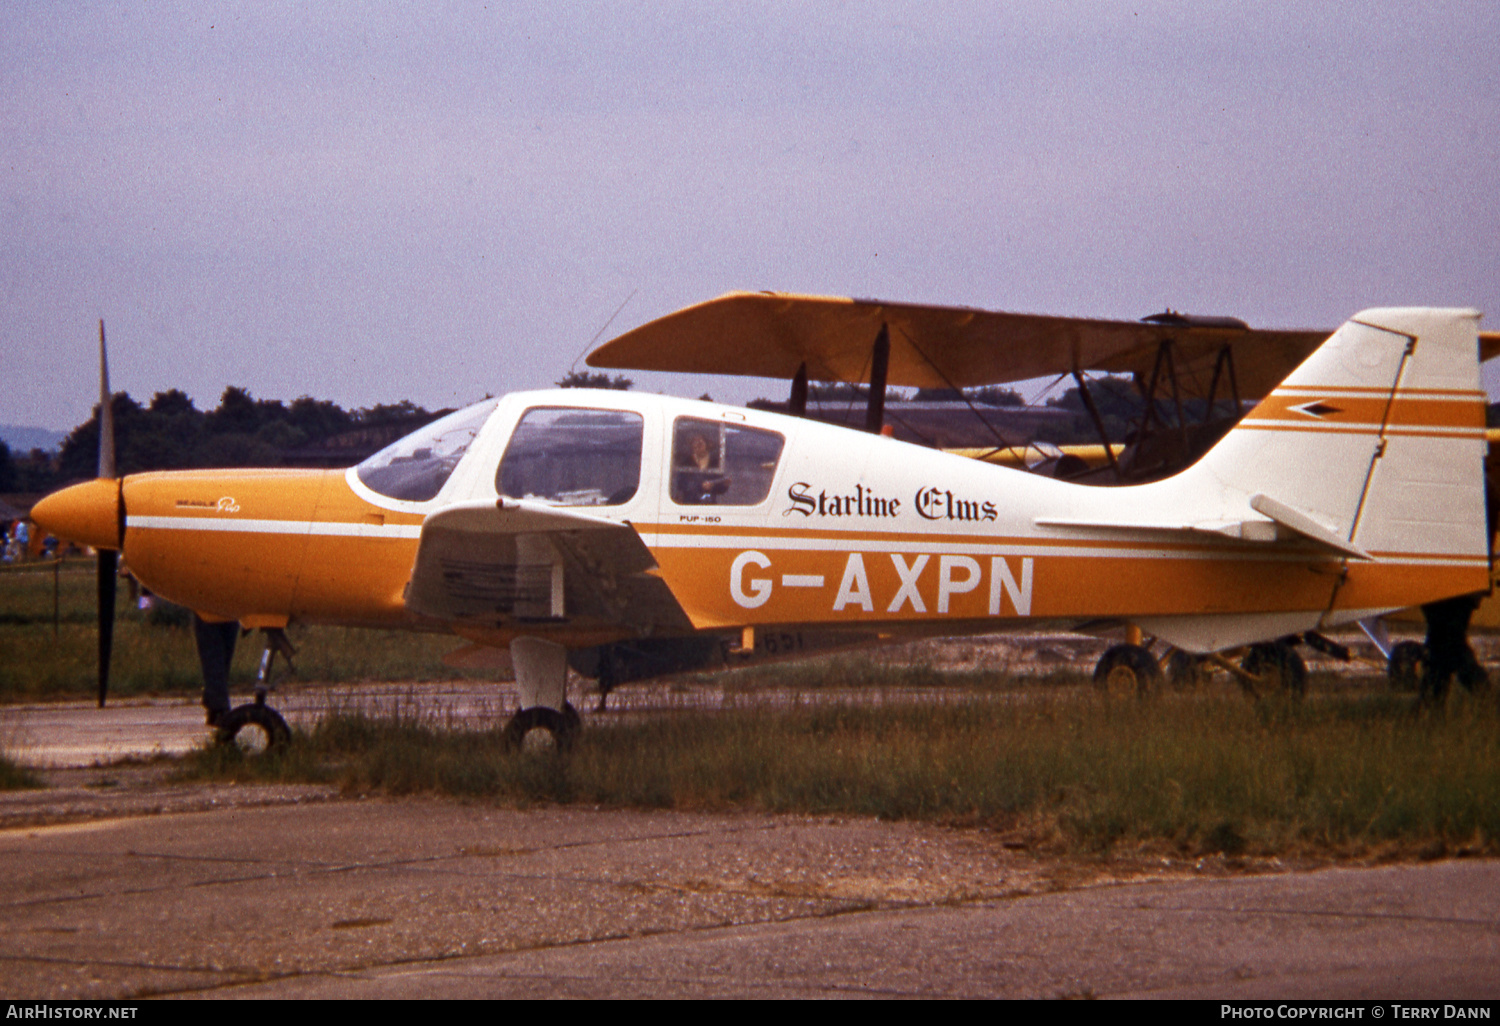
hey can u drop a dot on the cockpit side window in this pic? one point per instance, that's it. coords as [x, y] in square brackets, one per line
[720, 464]
[573, 457]
[416, 467]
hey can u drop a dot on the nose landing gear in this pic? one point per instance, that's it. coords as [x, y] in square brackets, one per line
[256, 728]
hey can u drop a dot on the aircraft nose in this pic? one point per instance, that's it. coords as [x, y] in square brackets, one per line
[87, 513]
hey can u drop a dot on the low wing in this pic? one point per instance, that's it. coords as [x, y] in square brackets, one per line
[519, 562]
[767, 334]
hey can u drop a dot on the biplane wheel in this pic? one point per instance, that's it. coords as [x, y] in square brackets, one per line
[1277, 665]
[1407, 666]
[1188, 672]
[1127, 670]
[561, 728]
[254, 728]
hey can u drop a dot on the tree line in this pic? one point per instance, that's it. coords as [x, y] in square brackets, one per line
[170, 433]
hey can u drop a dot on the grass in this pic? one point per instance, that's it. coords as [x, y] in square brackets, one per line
[1055, 770]
[907, 666]
[50, 651]
[1043, 760]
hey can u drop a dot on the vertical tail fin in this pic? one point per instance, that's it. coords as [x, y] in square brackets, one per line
[1377, 442]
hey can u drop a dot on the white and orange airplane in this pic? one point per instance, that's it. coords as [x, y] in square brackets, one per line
[631, 534]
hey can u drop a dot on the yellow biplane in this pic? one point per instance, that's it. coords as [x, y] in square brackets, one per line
[630, 535]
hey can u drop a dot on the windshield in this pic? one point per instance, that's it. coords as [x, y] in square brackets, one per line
[416, 467]
[573, 457]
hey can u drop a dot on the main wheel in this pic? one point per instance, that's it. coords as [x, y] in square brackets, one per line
[1407, 666]
[255, 729]
[524, 727]
[1127, 670]
[1278, 665]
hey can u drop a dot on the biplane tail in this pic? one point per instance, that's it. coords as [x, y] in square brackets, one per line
[1373, 446]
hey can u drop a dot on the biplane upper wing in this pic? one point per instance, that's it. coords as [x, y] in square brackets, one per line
[517, 561]
[767, 334]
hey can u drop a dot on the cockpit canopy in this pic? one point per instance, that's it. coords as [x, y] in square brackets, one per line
[584, 456]
[415, 468]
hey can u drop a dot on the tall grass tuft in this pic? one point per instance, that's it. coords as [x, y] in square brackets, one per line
[1197, 774]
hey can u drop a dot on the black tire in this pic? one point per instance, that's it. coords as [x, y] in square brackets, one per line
[1474, 677]
[254, 729]
[1127, 670]
[1278, 666]
[1407, 666]
[563, 726]
[1188, 672]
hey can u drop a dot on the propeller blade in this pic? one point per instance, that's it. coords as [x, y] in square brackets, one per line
[108, 564]
[109, 559]
[106, 412]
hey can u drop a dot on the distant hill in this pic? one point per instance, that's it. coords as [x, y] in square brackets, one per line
[22, 440]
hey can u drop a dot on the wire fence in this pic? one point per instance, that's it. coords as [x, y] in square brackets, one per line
[38, 565]
[53, 566]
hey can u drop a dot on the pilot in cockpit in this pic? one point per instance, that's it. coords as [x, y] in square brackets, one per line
[697, 477]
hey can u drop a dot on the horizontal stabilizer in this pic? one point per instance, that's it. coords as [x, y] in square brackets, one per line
[1306, 526]
[1265, 530]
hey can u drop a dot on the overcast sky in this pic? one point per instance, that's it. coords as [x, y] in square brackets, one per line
[368, 202]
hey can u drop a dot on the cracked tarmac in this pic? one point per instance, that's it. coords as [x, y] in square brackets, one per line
[314, 896]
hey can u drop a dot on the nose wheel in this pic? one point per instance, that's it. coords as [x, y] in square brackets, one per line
[255, 728]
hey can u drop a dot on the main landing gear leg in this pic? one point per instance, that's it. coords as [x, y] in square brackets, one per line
[609, 677]
[215, 643]
[542, 679]
[255, 727]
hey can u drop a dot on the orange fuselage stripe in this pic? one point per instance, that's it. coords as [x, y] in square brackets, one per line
[304, 546]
